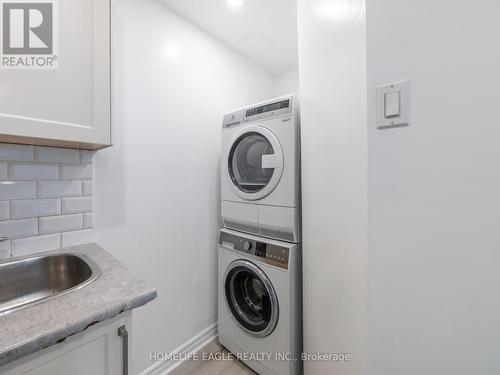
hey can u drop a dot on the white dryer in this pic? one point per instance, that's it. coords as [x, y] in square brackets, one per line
[260, 302]
[260, 187]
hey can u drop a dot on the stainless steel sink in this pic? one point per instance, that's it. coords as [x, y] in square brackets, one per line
[31, 280]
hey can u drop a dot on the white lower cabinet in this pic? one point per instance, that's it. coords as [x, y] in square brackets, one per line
[97, 351]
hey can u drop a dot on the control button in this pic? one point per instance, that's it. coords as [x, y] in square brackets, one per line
[247, 245]
[260, 250]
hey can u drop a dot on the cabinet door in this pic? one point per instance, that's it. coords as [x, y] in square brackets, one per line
[98, 351]
[67, 102]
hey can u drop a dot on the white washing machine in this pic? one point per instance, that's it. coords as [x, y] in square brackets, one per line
[260, 302]
[260, 188]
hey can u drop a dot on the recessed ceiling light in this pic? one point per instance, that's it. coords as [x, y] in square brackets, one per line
[172, 51]
[235, 3]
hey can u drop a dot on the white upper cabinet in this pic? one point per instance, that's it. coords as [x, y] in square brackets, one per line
[55, 81]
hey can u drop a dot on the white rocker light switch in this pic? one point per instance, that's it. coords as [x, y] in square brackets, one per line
[392, 104]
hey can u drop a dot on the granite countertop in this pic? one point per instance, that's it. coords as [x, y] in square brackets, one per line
[40, 325]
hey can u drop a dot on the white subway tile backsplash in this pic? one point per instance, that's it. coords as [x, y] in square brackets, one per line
[51, 189]
[35, 208]
[61, 223]
[88, 220]
[33, 171]
[16, 152]
[45, 198]
[57, 155]
[76, 238]
[4, 175]
[76, 205]
[76, 172]
[29, 245]
[87, 187]
[4, 210]
[19, 228]
[17, 190]
[87, 157]
[4, 249]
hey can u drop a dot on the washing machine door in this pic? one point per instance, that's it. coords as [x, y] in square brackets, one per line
[251, 298]
[255, 162]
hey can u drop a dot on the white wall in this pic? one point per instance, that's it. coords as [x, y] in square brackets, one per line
[332, 65]
[286, 83]
[434, 188]
[157, 190]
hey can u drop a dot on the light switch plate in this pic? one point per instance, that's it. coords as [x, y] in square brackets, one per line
[404, 94]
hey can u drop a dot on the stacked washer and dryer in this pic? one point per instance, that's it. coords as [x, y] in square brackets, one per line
[260, 299]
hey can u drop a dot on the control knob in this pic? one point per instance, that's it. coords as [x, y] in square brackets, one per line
[247, 245]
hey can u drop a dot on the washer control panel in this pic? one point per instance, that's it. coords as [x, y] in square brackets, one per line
[269, 253]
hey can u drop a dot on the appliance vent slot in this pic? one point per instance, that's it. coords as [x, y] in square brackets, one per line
[240, 227]
[286, 236]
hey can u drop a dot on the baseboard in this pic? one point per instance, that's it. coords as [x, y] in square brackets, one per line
[193, 345]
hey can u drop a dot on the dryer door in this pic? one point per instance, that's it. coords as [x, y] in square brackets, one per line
[255, 162]
[251, 298]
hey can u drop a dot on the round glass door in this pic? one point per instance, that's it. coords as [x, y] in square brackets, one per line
[255, 163]
[251, 298]
[245, 163]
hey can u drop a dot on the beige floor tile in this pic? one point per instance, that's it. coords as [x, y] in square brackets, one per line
[233, 367]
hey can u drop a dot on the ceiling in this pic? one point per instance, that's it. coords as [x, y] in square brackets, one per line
[265, 31]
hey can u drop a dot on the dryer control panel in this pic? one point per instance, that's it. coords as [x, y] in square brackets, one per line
[273, 108]
[268, 253]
